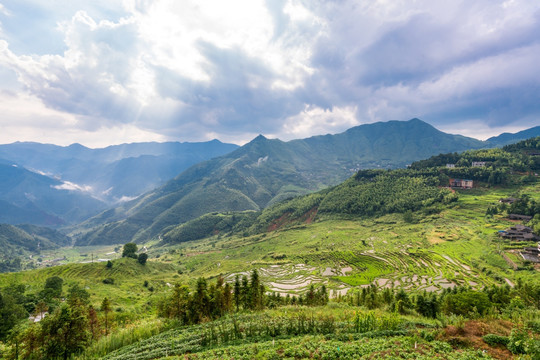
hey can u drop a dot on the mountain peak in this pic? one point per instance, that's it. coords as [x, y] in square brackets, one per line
[260, 137]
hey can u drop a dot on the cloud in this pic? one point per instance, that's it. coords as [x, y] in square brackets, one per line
[317, 121]
[4, 11]
[67, 185]
[197, 70]
[26, 118]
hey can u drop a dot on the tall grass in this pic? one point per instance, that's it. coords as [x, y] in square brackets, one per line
[133, 333]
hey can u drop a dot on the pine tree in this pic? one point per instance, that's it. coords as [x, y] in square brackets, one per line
[246, 298]
[227, 301]
[255, 298]
[106, 308]
[237, 292]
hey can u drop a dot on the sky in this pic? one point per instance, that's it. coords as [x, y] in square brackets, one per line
[106, 72]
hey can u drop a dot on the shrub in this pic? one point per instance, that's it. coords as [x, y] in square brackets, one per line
[108, 281]
[494, 340]
[517, 341]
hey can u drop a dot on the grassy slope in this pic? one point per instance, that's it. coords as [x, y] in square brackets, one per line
[127, 292]
[383, 247]
[460, 232]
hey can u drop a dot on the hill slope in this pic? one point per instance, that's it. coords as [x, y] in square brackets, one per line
[28, 197]
[17, 241]
[266, 171]
[507, 138]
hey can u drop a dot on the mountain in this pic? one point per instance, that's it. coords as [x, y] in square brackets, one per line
[117, 172]
[507, 138]
[31, 238]
[28, 197]
[267, 171]
[19, 241]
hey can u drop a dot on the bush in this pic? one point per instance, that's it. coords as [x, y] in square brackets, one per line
[534, 325]
[494, 340]
[466, 302]
[517, 341]
[108, 281]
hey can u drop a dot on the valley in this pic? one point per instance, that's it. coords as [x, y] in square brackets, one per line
[386, 264]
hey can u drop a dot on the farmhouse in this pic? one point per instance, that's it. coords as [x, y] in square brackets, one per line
[519, 233]
[531, 254]
[461, 183]
[519, 217]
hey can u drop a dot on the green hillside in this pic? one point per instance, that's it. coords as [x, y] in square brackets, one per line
[388, 264]
[20, 241]
[29, 197]
[264, 172]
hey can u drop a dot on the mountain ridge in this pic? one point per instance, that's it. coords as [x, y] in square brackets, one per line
[265, 171]
[110, 175]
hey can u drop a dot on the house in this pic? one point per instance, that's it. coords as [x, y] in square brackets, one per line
[508, 200]
[531, 254]
[519, 217]
[450, 166]
[519, 233]
[478, 163]
[461, 183]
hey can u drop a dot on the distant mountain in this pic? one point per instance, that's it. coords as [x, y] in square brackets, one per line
[116, 172]
[19, 241]
[14, 239]
[266, 171]
[507, 138]
[28, 197]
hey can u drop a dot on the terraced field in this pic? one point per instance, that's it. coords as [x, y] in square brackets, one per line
[455, 247]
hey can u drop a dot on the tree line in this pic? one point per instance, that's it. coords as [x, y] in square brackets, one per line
[206, 302]
[460, 300]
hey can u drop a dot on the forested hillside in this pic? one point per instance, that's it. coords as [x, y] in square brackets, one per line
[377, 192]
[264, 172]
[23, 240]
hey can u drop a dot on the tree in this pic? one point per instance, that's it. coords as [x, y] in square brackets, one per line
[106, 308]
[227, 300]
[130, 250]
[10, 314]
[200, 305]
[256, 300]
[52, 288]
[77, 296]
[93, 322]
[466, 302]
[109, 264]
[41, 308]
[237, 292]
[65, 332]
[142, 258]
